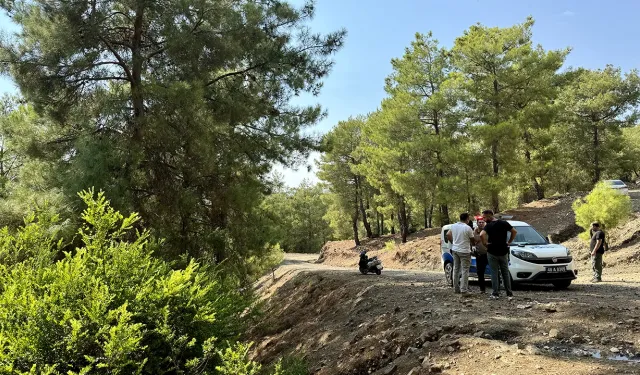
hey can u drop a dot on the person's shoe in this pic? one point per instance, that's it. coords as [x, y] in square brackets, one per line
[483, 292]
[456, 291]
[493, 296]
[596, 280]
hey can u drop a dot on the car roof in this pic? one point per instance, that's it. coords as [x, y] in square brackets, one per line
[514, 223]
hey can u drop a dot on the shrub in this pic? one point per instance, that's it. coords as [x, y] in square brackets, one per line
[291, 366]
[235, 361]
[109, 306]
[604, 205]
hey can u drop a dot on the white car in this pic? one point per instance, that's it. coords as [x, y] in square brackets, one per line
[618, 186]
[532, 259]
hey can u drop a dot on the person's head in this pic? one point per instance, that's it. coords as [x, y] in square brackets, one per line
[480, 222]
[464, 217]
[595, 226]
[487, 215]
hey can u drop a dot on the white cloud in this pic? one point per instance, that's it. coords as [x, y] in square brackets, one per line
[568, 13]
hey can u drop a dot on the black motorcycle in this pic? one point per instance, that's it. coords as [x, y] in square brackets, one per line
[366, 264]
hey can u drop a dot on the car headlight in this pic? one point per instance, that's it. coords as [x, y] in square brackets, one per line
[568, 251]
[523, 254]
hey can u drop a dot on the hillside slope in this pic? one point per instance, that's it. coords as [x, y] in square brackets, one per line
[552, 217]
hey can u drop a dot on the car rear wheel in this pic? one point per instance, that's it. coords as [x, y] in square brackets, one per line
[448, 273]
[561, 284]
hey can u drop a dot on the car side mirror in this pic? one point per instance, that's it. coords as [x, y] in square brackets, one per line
[548, 239]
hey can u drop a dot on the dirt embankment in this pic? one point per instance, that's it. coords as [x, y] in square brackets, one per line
[422, 249]
[344, 323]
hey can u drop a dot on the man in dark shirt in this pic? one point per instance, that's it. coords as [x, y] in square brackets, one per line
[494, 237]
[597, 250]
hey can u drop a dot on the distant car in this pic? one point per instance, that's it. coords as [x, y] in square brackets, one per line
[532, 259]
[618, 186]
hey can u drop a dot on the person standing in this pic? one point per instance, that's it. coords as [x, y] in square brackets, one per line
[494, 237]
[481, 253]
[597, 251]
[461, 237]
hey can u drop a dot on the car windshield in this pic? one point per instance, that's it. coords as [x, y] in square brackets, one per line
[616, 183]
[528, 236]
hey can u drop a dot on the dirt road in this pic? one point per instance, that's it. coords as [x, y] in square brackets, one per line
[410, 322]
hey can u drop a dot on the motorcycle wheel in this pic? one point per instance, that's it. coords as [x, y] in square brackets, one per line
[378, 272]
[363, 271]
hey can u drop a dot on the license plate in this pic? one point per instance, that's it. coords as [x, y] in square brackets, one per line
[556, 269]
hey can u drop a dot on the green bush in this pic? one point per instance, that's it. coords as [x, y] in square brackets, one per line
[604, 205]
[291, 366]
[110, 306]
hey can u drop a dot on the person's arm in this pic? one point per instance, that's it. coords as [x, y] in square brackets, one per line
[513, 236]
[450, 236]
[483, 238]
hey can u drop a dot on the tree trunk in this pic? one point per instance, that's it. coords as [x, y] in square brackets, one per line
[404, 222]
[363, 212]
[355, 231]
[596, 155]
[431, 216]
[475, 207]
[393, 224]
[538, 189]
[468, 185]
[444, 208]
[426, 217]
[382, 230]
[495, 198]
[354, 219]
[137, 96]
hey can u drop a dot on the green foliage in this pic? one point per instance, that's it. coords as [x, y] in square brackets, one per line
[597, 104]
[176, 110]
[604, 205]
[109, 306]
[268, 262]
[296, 218]
[628, 165]
[235, 361]
[291, 366]
[340, 166]
[505, 84]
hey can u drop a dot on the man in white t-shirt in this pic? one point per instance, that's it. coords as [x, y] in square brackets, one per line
[461, 236]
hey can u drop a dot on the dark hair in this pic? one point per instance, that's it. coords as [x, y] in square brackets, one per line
[596, 224]
[487, 212]
[464, 216]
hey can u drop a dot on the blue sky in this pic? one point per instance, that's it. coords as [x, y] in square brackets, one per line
[598, 32]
